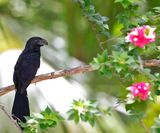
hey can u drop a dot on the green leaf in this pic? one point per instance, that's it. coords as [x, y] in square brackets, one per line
[118, 68]
[104, 70]
[119, 55]
[103, 58]
[47, 110]
[137, 115]
[157, 9]
[38, 115]
[92, 122]
[84, 110]
[106, 26]
[76, 116]
[146, 71]
[137, 106]
[156, 127]
[125, 3]
[44, 120]
[83, 117]
[158, 92]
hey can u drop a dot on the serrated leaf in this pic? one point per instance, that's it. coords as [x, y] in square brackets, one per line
[38, 115]
[24, 125]
[92, 122]
[71, 111]
[106, 26]
[46, 111]
[118, 68]
[28, 118]
[158, 92]
[104, 70]
[156, 126]
[71, 117]
[96, 61]
[157, 9]
[147, 70]
[95, 66]
[83, 117]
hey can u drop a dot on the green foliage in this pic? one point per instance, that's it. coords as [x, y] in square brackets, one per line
[156, 127]
[126, 60]
[101, 62]
[43, 120]
[86, 111]
[130, 16]
[120, 62]
[125, 3]
[123, 59]
[96, 19]
[50, 118]
[156, 83]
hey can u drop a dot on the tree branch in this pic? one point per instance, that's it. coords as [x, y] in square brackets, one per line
[151, 63]
[12, 120]
[72, 71]
[52, 75]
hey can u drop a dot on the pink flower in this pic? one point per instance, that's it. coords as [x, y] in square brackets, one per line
[140, 90]
[141, 36]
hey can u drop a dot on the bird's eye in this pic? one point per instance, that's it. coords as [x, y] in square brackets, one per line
[36, 41]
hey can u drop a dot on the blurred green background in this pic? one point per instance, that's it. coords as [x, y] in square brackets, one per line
[72, 42]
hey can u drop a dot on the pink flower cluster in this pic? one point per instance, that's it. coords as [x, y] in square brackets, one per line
[141, 36]
[140, 90]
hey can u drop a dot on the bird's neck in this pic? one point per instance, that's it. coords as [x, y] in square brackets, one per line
[38, 51]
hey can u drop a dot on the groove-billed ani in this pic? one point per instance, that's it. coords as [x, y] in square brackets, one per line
[24, 71]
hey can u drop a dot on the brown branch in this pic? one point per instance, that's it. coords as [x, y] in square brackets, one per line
[52, 75]
[12, 120]
[151, 63]
[68, 72]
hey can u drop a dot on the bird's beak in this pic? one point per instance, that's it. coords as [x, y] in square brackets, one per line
[43, 42]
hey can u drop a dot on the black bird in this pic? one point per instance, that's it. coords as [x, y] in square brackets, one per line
[24, 71]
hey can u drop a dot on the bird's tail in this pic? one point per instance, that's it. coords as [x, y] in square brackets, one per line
[20, 106]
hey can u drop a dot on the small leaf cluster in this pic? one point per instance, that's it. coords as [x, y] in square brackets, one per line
[96, 19]
[125, 59]
[153, 17]
[118, 62]
[101, 62]
[43, 120]
[81, 110]
[86, 111]
[122, 62]
[129, 17]
[125, 3]
[156, 83]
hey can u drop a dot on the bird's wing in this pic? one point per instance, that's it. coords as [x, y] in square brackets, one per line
[25, 70]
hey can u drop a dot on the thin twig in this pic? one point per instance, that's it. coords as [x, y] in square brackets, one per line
[140, 62]
[10, 117]
[97, 37]
[144, 126]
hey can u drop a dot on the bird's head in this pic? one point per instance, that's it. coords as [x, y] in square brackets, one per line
[34, 43]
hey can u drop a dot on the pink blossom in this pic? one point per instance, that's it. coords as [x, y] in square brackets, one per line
[141, 36]
[140, 90]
